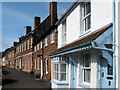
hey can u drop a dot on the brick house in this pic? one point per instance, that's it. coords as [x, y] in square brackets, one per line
[23, 54]
[10, 57]
[45, 42]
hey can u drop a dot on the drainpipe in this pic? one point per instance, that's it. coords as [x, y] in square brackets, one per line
[114, 42]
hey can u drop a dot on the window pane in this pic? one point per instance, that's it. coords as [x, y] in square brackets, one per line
[87, 75]
[86, 60]
[88, 8]
[62, 76]
[56, 67]
[63, 67]
[57, 77]
[88, 24]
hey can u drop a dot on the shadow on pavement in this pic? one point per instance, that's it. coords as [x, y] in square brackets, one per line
[8, 81]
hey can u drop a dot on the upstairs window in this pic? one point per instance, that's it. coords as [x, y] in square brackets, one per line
[86, 11]
[52, 37]
[41, 45]
[46, 42]
[28, 44]
[64, 32]
[31, 42]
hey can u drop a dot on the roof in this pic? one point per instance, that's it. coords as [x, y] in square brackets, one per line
[90, 37]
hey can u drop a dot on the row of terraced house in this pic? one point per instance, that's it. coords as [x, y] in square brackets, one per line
[79, 50]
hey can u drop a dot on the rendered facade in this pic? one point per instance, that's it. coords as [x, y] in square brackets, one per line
[87, 54]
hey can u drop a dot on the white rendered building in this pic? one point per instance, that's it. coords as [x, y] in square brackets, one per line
[88, 46]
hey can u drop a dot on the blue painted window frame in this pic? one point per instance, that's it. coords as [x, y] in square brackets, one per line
[67, 70]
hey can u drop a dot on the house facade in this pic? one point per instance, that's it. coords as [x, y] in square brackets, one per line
[23, 54]
[87, 54]
[45, 42]
[10, 58]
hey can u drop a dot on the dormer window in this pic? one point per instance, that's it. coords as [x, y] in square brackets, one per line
[86, 12]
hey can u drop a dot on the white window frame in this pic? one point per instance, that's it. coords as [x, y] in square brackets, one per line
[34, 48]
[85, 68]
[31, 41]
[38, 46]
[85, 17]
[31, 61]
[28, 43]
[22, 46]
[35, 64]
[41, 45]
[46, 66]
[25, 45]
[46, 41]
[64, 32]
[58, 63]
[38, 64]
[52, 37]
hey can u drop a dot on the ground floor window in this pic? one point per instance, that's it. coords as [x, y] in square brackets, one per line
[60, 69]
[86, 68]
[46, 66]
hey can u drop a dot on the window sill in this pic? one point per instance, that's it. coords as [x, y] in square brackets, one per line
[63, 44]
[88, 31]
[52, 42]
[46, 46]
[59, 82]
[84, 85]
[46, 72]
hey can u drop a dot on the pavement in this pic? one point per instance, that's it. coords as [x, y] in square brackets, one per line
[17, 79]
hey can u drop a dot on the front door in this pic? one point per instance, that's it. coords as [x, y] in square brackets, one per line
[106, 74]
[73, 75]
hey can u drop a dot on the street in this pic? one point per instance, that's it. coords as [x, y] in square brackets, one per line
[17, 79]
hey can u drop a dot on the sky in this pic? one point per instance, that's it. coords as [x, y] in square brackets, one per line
[17, 15]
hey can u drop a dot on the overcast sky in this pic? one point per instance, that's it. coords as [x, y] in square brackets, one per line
[16, 15]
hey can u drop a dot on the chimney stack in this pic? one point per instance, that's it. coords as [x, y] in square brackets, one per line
[28, 29]
[53, 12]
[36, 21]
[14, 43]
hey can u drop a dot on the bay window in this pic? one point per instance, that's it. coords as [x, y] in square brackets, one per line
[60, 68]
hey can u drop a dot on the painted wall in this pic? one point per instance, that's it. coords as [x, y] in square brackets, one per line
[101, 14]
[59, 35]
[73, 25]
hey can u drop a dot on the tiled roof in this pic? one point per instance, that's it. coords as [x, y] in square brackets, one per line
[90, 37]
